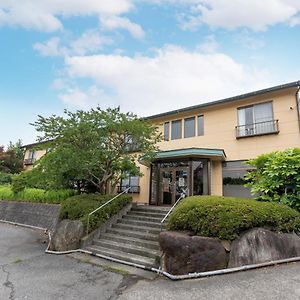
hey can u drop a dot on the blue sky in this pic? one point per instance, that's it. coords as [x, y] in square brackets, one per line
[148, 56]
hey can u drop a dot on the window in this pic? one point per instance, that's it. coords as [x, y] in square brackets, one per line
[189, 127]
[166, 131]
[31, 158]
[130, 181]
[256, 119]
[298, 107]
[200, 125]
[131, 145]
[176, 132]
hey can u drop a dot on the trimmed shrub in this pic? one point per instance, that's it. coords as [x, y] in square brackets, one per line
[78, 207]
[35, 195]
[225, 218]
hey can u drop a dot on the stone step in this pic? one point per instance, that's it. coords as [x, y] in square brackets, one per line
[149, 262]
[140, 223]
[151, 209]
[146, 214]
[134, 234]
[130, 240]
[139, 217]
[133, 249]
[137, 228]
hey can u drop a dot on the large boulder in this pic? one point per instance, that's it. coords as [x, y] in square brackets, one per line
[183, 254]
[260, 245]
[67, 235]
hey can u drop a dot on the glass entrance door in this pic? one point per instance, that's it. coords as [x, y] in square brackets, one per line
[173, 182]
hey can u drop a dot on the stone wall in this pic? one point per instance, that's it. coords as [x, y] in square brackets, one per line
[34, 214]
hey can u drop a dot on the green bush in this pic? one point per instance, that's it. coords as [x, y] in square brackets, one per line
[18, 182]
[276, 177]
[35, 195]
[225, 218]
[5, 178]
[78, 207]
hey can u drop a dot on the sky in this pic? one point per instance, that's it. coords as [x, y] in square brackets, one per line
[146, 56]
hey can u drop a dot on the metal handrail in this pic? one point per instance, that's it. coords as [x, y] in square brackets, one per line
[183, 195]
[107, 202]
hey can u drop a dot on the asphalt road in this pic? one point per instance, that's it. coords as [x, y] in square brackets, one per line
[26, 272]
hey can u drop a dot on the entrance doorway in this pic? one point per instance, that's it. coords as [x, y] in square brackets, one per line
[174, 181]
[170, 178]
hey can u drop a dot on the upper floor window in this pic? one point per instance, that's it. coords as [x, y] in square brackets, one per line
[200, 120]
[166, 131]
[256, 119]
[31, 158]
[189, 127]
[176, 132]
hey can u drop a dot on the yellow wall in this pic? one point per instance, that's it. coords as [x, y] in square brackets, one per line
[220, 122]
[38, 155]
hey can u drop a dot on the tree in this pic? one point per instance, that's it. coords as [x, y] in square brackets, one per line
[11, 160]
[94, 148]
[276, 177]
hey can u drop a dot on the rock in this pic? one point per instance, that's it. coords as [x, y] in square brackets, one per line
[67, 235]
[260, 245]
[185, 254]
[227, 245]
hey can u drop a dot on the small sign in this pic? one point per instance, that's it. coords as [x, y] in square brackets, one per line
[181, 182]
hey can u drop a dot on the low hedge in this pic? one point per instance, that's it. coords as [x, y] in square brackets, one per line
[225, 218]
[78, 207]
[35, 195]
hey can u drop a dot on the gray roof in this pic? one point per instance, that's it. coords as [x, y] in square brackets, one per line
[226, 100]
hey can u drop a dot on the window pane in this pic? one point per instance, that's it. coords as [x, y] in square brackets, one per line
[200, 125]
[134, 180]
[166, 131]
[176, 130]
[189, 127]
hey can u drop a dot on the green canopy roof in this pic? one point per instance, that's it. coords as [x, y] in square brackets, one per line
[214, 154]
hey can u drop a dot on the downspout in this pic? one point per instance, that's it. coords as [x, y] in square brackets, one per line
[297, 105]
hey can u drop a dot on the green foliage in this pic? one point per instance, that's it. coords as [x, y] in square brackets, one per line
[225, 218]
[35, 195]
[18, 183]
[5, 178]
[93, 147]
[277, 177]
[11, 160]
[78, 207]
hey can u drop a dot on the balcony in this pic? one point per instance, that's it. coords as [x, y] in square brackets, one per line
[29, 161]
[256, 129]
[133, 189]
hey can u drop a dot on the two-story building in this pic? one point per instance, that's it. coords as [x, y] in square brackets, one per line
[205, 145]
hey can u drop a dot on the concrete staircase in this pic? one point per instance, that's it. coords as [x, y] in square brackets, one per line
[134, 238]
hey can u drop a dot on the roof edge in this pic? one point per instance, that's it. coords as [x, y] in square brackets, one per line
[226, 100]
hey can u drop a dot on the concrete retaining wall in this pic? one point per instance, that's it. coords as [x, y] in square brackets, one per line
[34, 214]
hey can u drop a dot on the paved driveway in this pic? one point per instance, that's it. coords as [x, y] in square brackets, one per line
[26, 272]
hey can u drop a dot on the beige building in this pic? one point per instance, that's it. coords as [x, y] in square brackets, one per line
[205, 145]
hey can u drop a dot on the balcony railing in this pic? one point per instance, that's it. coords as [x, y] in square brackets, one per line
[260, 128]
[29, 161]
[133, 189]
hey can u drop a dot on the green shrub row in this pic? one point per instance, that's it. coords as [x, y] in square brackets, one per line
[225, 218]
[35, 195]
[79, 206]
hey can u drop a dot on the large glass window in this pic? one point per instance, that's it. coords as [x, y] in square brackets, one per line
[176, 132]
[189, 127]
[166, 131]
[130, 181]
[200, 125]
[256, 119]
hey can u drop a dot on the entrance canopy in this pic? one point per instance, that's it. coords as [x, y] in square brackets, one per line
[213, 154]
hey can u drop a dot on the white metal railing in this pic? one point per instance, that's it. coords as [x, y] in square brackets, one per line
[107, 202]
[183, 195]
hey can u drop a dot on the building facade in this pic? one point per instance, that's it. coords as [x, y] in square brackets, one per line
[204, 146]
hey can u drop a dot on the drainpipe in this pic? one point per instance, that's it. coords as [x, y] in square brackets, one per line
[158, 271]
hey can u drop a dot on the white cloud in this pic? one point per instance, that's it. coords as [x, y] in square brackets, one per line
[172, 78]
[78, 98]
[114, 22]
[45, 15]
[256, 15]
[89, 42]
[210, 46]
[247, 40]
